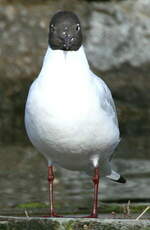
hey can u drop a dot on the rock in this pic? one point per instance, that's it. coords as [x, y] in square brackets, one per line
[118, 46]
[71, 224]
[118, 34]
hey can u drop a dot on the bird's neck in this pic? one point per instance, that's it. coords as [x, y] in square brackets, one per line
[59, 61]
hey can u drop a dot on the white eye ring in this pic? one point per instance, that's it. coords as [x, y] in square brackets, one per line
[77, 27]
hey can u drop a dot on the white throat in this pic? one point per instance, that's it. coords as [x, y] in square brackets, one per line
[61, 62]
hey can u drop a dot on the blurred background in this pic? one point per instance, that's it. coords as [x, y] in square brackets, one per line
[117, 45]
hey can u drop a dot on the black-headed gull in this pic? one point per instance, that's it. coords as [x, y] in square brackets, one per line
[70, 115]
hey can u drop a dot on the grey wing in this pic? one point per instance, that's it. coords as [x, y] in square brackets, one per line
[110, 104]
[107, 102]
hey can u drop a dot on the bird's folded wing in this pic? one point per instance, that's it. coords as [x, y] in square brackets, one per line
[106, 100]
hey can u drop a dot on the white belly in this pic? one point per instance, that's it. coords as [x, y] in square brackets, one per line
[69, 129]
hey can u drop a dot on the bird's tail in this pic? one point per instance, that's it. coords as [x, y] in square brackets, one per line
[114, 176]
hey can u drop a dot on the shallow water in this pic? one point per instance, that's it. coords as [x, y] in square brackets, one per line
[23, 177]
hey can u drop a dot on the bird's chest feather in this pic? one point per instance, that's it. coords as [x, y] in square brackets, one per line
[64, 107]
[70, 118]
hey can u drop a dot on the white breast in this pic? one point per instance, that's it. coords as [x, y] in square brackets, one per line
[64, 116]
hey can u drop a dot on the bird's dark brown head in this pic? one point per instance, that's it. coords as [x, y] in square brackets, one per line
[65, 31]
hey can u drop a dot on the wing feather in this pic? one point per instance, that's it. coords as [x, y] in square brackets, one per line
[106, 100]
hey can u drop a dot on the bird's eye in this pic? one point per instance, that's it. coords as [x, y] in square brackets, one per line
[52, 28]
[77, 27]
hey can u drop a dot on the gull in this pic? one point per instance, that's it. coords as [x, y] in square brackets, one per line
[70, 115]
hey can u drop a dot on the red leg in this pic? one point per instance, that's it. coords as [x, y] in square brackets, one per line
[51, 199]
[95, 199]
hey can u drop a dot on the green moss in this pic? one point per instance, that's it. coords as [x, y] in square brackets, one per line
[110, 208]
[68, 225]
[139, 208]
[40, 209]
[123, 208]
[31, 205]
